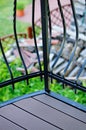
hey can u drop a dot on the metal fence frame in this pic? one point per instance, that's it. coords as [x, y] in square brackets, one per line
[46, 74]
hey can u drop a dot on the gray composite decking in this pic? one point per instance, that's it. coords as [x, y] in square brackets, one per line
[41, 112]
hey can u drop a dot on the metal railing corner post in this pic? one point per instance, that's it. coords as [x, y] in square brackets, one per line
[44, 21]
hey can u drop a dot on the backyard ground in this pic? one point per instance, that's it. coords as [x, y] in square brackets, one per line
[6, 18]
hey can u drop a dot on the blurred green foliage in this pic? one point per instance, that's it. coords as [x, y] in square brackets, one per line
[21, 88]
[69, 92]
[6, 17]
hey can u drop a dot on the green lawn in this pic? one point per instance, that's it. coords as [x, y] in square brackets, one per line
[6, 18]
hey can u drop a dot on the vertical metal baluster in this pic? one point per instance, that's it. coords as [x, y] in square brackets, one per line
[83, 65]
[64, 35]
[11, 75]
[50, 29]
[50, 32]
[34, 35]
[15, 34]
[76, 40]
[80, 70]
[44, 20]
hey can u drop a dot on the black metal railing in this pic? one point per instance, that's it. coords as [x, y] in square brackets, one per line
[47, 73]
[75, 84]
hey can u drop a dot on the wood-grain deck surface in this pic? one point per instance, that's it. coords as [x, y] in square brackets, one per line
[41, 112]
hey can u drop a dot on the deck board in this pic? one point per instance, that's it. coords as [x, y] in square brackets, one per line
[41, 113]
[52, 115]
[62, 107]
[7, 125]
[24, 119]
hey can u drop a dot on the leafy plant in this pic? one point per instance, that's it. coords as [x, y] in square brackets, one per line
[21, 88]
[6, 14]
[20, 5]
[79, 97]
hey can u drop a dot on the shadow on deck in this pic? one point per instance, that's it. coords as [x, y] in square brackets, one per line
[41, 112]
